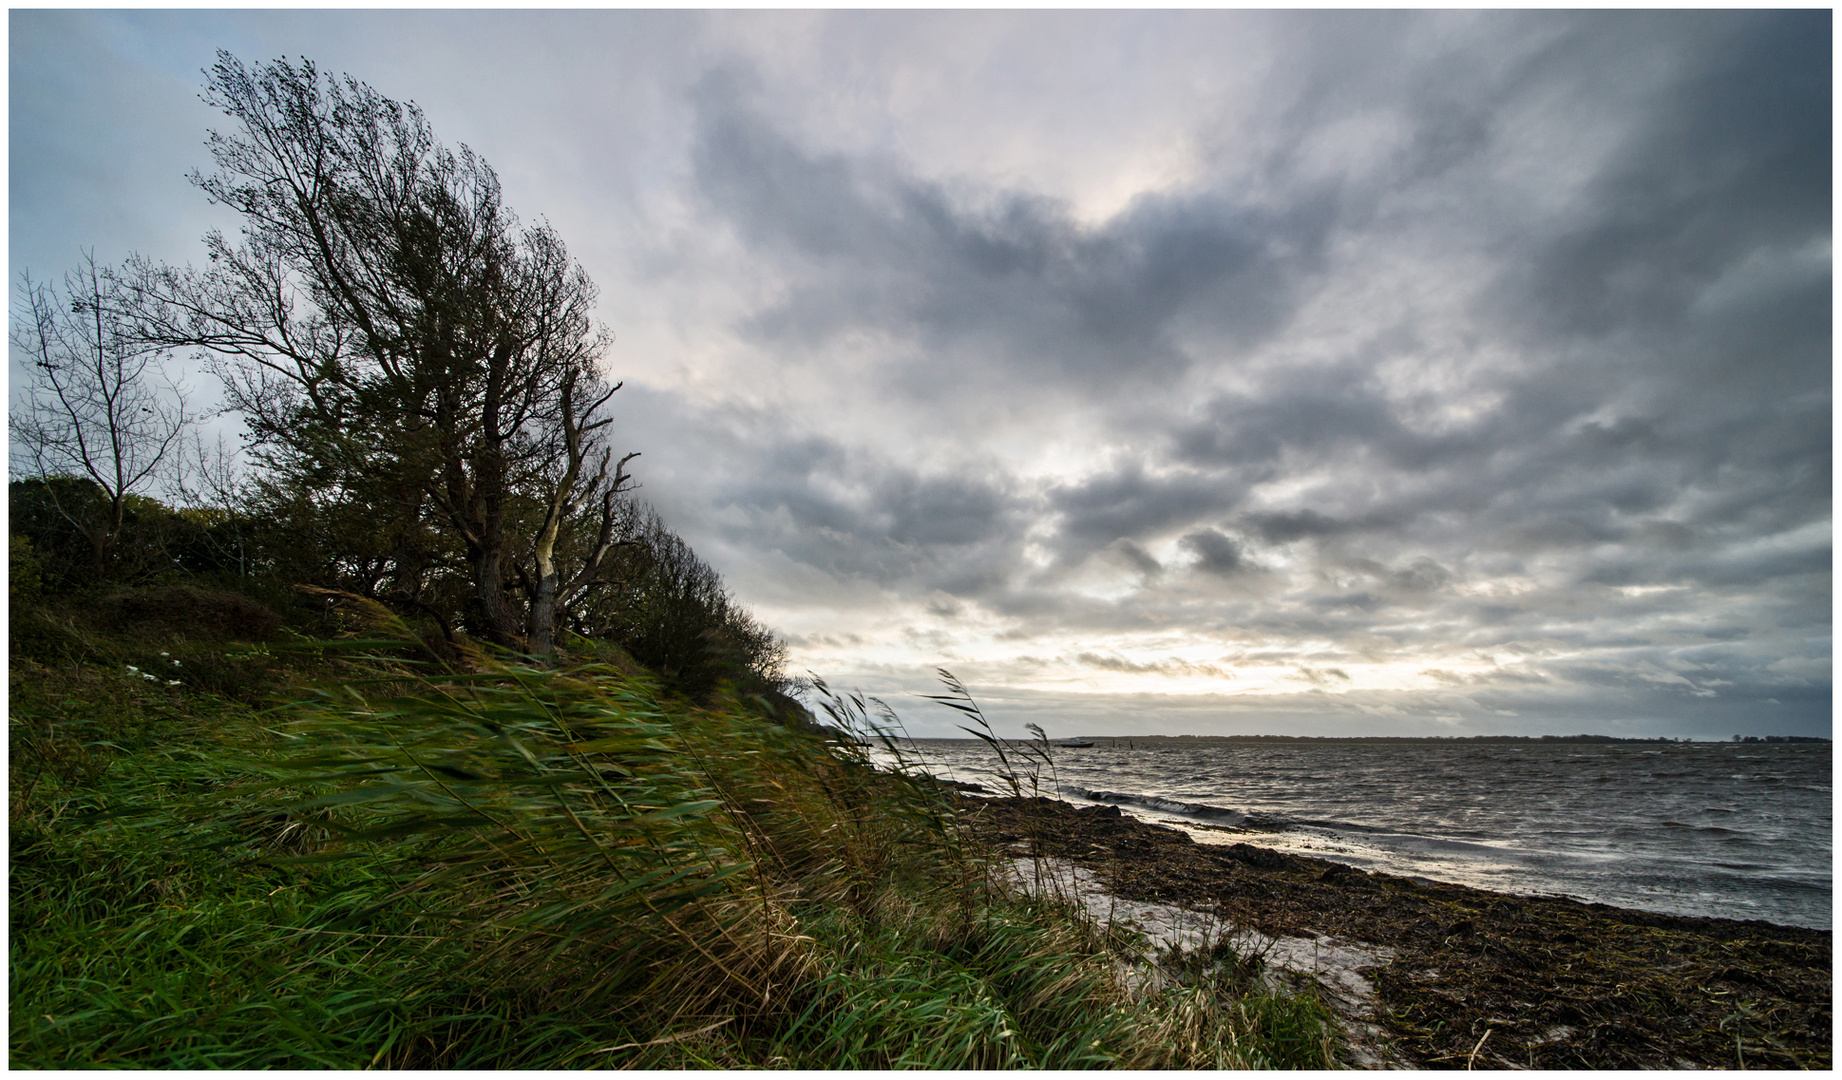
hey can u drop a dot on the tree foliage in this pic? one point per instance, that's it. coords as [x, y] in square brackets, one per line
[419, 377]
[670, 611]
[56, 516]
[404, 352]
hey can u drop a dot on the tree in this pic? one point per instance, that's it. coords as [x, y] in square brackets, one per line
[398, 342]
[669, 610]
[98, 407]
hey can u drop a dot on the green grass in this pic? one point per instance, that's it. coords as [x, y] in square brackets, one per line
[411, 867]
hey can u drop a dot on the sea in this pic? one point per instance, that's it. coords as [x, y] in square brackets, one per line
[1735, 830]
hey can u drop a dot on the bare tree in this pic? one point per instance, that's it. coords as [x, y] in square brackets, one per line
[387, 326]
[98, 403]
[216, 490]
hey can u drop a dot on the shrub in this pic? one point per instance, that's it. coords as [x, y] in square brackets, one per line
[209, 614]
[23, 576]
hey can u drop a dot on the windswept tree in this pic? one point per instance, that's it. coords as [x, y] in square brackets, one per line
[668, 608]
[401, 346]
[98, 420]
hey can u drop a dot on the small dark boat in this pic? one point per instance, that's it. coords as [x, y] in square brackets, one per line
[1073, 744]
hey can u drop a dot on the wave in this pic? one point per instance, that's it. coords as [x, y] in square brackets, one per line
[1255, 821]
[1707, 830]
[1669, 835]
[1349, 826]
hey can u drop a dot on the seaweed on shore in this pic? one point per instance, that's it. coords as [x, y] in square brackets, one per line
[1483, 979]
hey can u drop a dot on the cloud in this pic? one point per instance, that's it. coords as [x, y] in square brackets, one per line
[1171, 666]
[1216, 554]
[1722, 166]
[1140, 559]
[1322, 677]
[1128, 503]
[1285, 527]
[1424, 575]
[1454, 364]
[989, 282]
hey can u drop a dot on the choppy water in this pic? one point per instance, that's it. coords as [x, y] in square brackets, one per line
[1738, 830]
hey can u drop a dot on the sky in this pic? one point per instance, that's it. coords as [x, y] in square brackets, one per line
[1213, 372]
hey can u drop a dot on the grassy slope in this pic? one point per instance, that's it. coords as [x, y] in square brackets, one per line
[407, 867]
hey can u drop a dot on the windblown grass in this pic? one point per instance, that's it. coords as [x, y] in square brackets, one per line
[515, 867]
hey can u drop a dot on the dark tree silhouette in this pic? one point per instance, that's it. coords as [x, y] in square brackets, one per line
[396, 339]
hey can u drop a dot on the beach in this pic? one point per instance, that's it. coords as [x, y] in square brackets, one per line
[1465, 976]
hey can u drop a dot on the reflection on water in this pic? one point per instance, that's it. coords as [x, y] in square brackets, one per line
[1735, 830]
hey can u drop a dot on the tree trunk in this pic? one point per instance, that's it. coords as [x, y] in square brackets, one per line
[543, 609]
[489, 588]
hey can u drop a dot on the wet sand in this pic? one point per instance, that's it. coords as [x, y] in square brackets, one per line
[1464, 976]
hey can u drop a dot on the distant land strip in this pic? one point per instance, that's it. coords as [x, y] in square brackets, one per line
[1439, 739]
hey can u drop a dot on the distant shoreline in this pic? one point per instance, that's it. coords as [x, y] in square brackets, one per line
[1111, 740]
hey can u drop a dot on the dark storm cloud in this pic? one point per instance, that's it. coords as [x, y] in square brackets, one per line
[1282, 528]
[851, 515]
[1315, 414]
[1735, 158]
[887, 522]
[1694, 284]
[822, 490]
[1007, 274]
[1140, 559]
[1216, 554]
[1130, 504]
[1613, 443]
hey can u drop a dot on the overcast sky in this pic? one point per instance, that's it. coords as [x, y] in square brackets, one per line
[1216, 372]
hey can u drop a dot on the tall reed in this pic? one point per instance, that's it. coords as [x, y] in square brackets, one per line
[440, 860]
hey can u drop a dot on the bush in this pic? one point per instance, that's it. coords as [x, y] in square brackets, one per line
[23, 576]
[208, 614]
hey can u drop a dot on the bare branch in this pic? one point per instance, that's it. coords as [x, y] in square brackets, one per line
[97, 401]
